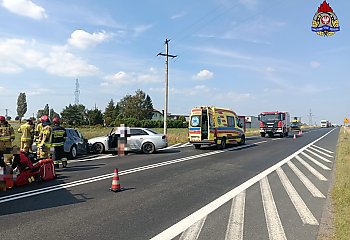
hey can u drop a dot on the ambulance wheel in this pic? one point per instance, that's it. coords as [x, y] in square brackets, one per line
[197, 146]
[242, 142]
[222, 145]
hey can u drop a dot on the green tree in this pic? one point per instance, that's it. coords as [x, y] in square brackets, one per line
[53, 114]
[74, 115]
[138, 106]
[94, 116]
[111, 113]
[45, 111]
[21, 105]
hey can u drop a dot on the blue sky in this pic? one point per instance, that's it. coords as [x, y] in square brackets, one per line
[248, 55]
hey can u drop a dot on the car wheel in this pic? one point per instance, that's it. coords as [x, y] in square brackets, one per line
[73, 152]
[148, 148]
[197, 146]
[98, 148]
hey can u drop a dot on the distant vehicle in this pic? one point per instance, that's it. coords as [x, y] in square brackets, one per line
[325, 124]
[213, 125]
[272, 123]
[140, 140]
[296, 124]
[75, 143]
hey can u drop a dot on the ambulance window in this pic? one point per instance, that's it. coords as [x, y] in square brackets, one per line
[195, 121]
[230, 121]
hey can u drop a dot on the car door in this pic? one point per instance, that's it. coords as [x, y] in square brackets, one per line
[79, 141]
[136, 138]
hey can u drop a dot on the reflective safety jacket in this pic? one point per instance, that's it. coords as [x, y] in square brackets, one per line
[7, 134]
[38, 129]
[45, 136]
[27, 132]
[58, 136]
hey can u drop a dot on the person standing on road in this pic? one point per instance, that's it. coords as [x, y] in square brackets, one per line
[27, 135]
[38, 128]
[45, 138]
[7, 135]
[59, 136]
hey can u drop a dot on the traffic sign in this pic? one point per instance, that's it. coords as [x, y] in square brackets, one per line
[346, 120]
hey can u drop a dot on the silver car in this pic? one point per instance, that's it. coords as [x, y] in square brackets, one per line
[75, 143]
[140, 140]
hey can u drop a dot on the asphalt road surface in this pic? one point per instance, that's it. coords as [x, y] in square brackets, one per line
[270, 188]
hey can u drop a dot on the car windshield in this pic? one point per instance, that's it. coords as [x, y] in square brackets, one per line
[270, 117]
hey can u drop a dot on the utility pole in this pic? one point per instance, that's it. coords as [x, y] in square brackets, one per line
[6, 112]
[166, 55]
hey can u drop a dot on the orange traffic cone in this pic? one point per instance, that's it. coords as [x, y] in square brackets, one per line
[300, 132]
[115, 182]
[294, 137]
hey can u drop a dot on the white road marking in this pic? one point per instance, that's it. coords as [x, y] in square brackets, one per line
[182, 225]
[323, 149]
[316, 162]
[273, 221]
[276, 139]
[305, 214]
[91, 159]
[235, 224]
[193, 232]
[308, 184]
[321, 152]
[319, 156]
[311, 169]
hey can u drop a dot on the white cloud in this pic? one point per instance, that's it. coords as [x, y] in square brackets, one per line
[141, 29]
[16, 55]
[39, 92]
[315, 64]
[251, 4]
[222, 52]
[234, 96]
[82, 39]
[178, 15]
[203, 75]
[118, 78]
[25, 8]
[270, 69]
[125, 78]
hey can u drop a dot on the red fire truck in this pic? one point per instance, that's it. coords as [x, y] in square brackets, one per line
[272, 123]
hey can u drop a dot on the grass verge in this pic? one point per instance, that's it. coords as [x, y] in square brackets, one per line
[341, 189]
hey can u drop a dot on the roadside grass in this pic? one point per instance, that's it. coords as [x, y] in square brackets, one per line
[341, 188]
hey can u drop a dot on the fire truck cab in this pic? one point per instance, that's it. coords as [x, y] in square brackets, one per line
[215, 126]
[272, 123]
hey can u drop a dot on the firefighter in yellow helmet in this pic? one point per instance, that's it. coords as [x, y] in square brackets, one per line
[59, 136]
[45, 138]
[7, 135]
[27, 131]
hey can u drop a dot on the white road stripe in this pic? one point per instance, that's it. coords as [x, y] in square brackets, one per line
[193, 232]
[311, 169]
[182, 225]
[323, 149]
[91, 159]
[308, 184]
[235, 224]
[316, 162]
[319, 156]
[305, 214]
[273, 221]
[325, 154]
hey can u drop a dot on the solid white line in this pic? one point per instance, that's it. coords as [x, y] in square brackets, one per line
[182, 225]
[311, 169]
[321, 152]
[316, 162]
[323, 149]
[90, 159]
[319, 156]
[308, 184]
[235, 224]
[305, 214]
[273, 221]
[192, 233]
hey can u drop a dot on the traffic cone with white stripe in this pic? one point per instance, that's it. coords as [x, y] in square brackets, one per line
[294, 137]
[115, 182]
[300, 132]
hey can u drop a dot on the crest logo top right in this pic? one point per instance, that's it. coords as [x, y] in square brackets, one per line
[325, 22]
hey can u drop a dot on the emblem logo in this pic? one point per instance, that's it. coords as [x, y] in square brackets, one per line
[325, 22]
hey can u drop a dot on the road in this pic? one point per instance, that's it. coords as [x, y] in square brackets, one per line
[271, 188]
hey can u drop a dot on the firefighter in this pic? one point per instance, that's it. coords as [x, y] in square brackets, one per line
[27, 131]
[59, 136]
[7, 135]
[38, 128]
[45, 138]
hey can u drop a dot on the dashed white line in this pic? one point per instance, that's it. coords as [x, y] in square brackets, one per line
[273, 221]
[235, 224]
[311, 169]
[316, 162]
[308, 184]
[305, 214]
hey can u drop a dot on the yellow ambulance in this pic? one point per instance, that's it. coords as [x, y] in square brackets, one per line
[214, 125]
